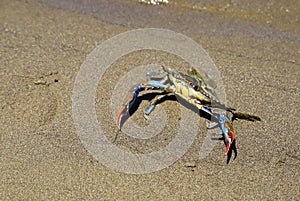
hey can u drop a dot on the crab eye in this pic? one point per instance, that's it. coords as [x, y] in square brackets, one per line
[195, 87]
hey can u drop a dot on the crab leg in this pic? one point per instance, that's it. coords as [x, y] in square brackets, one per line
[153, 103]
[249, 117]
[131, 97]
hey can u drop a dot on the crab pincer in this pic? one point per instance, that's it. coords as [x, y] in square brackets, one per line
[227, 130]
[132, 95]
[127, 103]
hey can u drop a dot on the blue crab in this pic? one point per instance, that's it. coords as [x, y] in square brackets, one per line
[197, 88]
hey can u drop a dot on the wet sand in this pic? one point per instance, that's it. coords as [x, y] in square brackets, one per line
[255, 47]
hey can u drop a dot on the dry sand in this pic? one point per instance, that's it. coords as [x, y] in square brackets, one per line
[256, 47]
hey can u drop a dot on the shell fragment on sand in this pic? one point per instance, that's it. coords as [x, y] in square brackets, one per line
[154, 2]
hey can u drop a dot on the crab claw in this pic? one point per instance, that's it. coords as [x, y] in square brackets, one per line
[128, 101]
[123, 115]
[232, 148]
[229, 140]
[227, 130]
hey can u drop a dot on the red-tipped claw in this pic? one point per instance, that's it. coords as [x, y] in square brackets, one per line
[228, 141]
[123, 114]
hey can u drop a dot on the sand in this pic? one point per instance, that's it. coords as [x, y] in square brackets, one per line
[255, 46]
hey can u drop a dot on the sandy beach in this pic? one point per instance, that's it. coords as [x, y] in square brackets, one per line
[255, 46]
